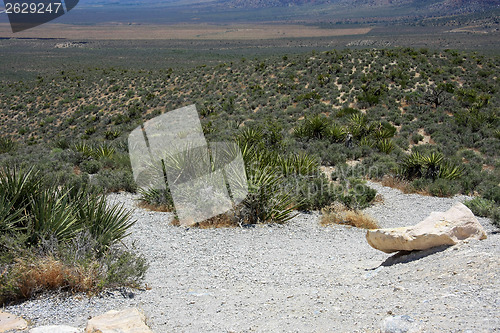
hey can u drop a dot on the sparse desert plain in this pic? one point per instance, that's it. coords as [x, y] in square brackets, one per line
[180, 31]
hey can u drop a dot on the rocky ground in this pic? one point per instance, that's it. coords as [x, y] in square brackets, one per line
[299, 277]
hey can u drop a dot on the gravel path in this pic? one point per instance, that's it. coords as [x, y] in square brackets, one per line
[300, 277]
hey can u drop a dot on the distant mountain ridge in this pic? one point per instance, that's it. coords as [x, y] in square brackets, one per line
[231, 11]
[450, 5]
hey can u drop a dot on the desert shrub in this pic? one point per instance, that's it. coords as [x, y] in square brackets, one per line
[357, 195]
[480, 206]
[443, 188]
[90, 166]
[311, 193]
[115, 180]
[72, 267]
[416, 138]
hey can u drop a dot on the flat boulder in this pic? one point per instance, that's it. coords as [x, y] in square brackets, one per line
[439, 228]
[125, 321]
[10, 322]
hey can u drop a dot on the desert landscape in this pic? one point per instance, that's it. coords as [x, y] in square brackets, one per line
[345, 118]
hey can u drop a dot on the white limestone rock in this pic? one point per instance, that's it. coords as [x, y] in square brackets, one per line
[439, 228]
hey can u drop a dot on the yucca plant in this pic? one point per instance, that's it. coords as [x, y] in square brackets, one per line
[266, 202]
[383, 132]
[11, 217]
[367, 141]
[250, 136]
[158, 198]
[84, 148]
[432, 164]
[301, 164]
[106, 224]
[496, 134]
[412, 166]
[358, 125]
[336, 133]
[316, 127]
[52, 215]
[385, 146]
[111, 135]
[6, 145]
[300, 131]
[449, 171]
[102, 151]
[18, 185]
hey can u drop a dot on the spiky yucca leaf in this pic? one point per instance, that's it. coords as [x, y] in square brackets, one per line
[412, 165]
[11, 217]
[449, 171]
[103, 151]
[432, 163]
[250, 136]
[336, 133]
[385, 145]
[53, 215]
[107, 225]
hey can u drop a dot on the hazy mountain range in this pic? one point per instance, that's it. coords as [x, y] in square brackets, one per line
[227, 11]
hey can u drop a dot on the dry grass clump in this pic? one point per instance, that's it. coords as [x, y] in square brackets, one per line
[338, 213]
[397, 183]
[155, 208]
[48, 273]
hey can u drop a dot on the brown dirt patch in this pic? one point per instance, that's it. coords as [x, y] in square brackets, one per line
[178, 31]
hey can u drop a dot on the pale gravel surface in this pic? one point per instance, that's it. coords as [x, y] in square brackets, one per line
[300, 277]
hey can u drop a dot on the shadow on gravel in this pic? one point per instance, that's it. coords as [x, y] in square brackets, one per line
[403, 257]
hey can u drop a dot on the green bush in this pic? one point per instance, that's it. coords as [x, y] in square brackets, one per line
[90, 166]
[443, 188]
[357, 195]
[311, 193]
[485, 208]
